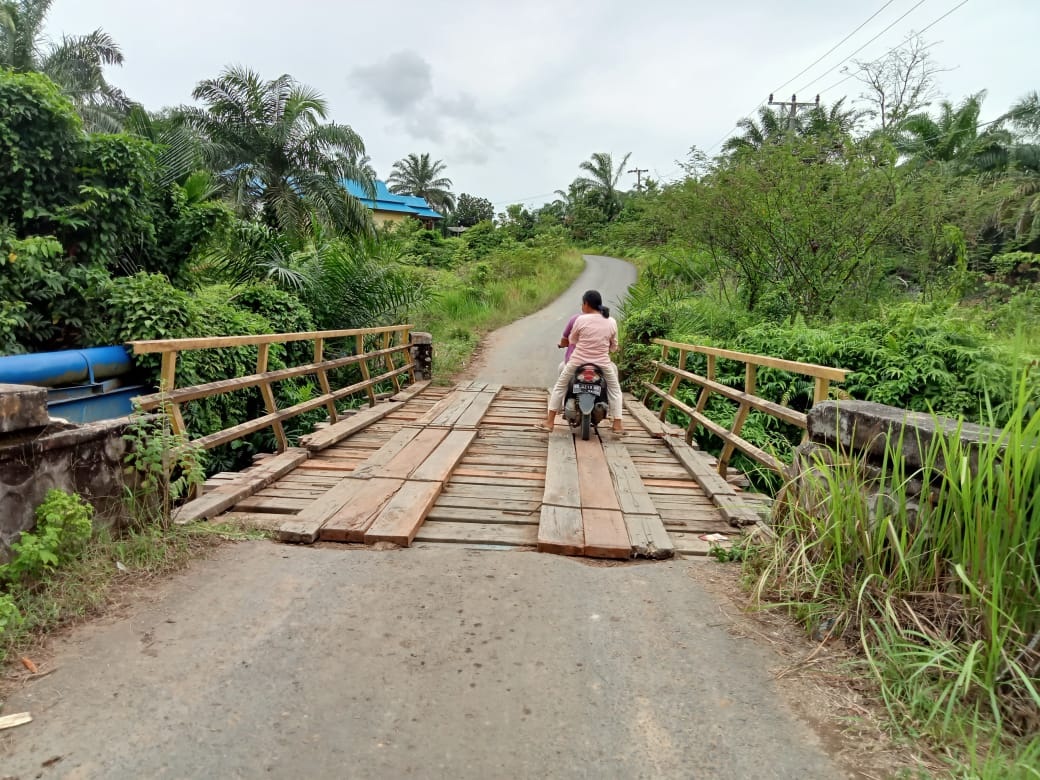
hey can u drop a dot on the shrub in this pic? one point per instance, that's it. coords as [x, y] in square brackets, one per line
[63, 527]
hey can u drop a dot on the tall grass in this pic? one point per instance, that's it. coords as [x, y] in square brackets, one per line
[490, 294]
[941, 593]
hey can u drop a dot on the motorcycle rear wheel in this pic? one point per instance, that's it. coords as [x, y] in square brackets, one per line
[586, 426]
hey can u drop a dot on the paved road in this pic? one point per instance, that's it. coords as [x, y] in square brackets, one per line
[525, 352]
[292, 662]
[269, 660]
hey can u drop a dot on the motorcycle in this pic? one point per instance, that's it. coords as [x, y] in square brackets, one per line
[585, 404]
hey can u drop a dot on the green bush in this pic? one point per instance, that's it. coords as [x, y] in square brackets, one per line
[63, 527]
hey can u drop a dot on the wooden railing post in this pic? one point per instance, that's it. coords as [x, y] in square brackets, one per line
[405, 337]
[388, 361]
[674, 386]
[820, 391]
[740, 418]
[167, 383]
[657, 373]
[263, 350]
[702, 399]
[360, 350]
[323, 378]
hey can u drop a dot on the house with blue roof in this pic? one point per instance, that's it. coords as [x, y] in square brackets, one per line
[390, 207]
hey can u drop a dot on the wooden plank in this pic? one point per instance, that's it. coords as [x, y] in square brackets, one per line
[400, 519]
[335, 433]
[561, 471]
[460, 402]
[648, 537]
[560, 530]
[484, 533]
[411, 391]
[350, 521]
[595, 485]
[418, 450]
[606, 535]
[690, 544]
[475, 413]
[273, 504]
[655, 427]
[722, 494]
[434, 411]
[14, 719]
[806, 369]
[746, 396]
[743, 445]
[470, 514]
[376, 461]
[221, 386]
[225, 496]
[442, 461]
[451, 500]
[492, 475]
[212, 342]
[631, 492]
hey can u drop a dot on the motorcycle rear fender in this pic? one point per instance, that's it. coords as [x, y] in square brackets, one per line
[586, 402]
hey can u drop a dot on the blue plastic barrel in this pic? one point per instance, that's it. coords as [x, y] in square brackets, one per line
[67, 367]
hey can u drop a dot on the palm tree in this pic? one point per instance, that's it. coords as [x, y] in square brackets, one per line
[602, 181]
[417, 175]
[278, 159]
[76, 64]
[1023, 202]
[953, 137]
[771, 126]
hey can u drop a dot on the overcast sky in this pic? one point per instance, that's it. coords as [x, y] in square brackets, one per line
[512, 96]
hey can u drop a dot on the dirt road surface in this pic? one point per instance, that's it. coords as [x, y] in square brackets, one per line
[291, 662]
[525, 353]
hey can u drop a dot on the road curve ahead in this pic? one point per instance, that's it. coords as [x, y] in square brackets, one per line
[524, 353]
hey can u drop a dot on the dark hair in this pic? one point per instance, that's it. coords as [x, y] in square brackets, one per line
[595, 301]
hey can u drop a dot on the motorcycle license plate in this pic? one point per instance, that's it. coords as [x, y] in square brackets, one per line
[587, 387]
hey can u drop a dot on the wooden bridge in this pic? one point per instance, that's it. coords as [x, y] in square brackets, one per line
[426, 465]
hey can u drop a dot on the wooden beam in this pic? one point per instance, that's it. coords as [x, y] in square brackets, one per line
[473, 414]
[438, 467]
[214, 342]
[806, 369]
[244, 485]
[236, 432]
[648, 421]
[561, 471]
[400, 519]
[776, 410]
[360, 350]
[267, 393]
[411, 391]
[326, 437]
[195, 392]
[560, 530]
[725, 498]
[350, 521]
[323, 378]
[595, 485]
[606, 535]
[390, 360]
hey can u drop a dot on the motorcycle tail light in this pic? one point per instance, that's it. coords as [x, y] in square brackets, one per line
[588, 376]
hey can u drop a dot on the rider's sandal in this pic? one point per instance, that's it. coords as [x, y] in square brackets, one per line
[541, 428]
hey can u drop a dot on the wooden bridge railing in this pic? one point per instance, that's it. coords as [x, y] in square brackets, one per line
[394, 341]
[746, 398]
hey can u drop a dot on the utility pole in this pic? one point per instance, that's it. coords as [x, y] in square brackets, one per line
[639, 177]
[795, 105]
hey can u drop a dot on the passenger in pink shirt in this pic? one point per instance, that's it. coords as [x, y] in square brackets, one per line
[594, 337]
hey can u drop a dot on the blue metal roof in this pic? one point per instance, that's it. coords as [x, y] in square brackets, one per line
[389, 201]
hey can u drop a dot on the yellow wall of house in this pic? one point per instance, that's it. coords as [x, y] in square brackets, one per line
[387, 217]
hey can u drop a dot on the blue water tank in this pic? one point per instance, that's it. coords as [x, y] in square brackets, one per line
[68, 367]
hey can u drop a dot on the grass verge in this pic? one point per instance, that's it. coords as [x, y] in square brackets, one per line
[489, 295]
[938, 593]
[97, 578]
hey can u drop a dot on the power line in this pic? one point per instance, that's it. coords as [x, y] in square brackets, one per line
[913, 8]
[904, 41]
[835, 46]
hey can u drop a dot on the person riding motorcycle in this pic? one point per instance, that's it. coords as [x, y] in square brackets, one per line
[594, 336]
